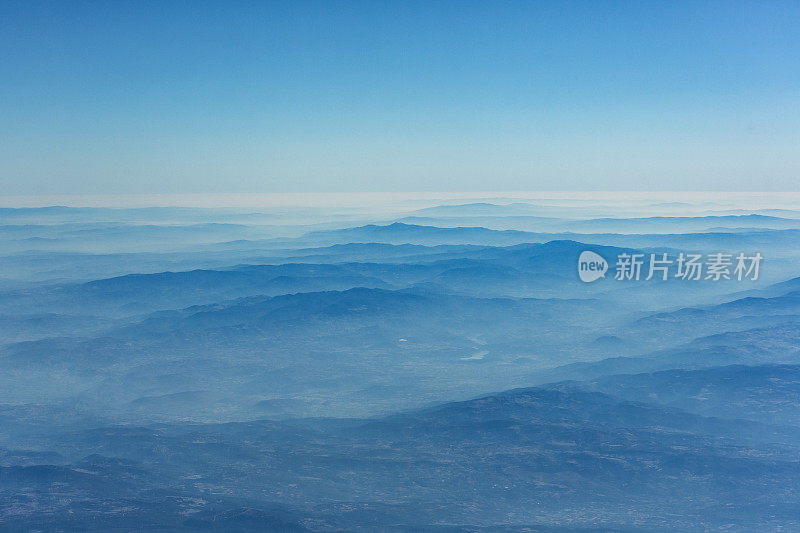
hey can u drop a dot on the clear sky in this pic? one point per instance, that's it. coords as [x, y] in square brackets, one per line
[188, 97]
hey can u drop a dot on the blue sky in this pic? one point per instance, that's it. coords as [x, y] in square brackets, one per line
[186, 97]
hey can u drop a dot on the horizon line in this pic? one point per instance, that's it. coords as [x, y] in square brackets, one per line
[346, 199]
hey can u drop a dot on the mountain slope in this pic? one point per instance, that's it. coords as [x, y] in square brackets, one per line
[528, 457]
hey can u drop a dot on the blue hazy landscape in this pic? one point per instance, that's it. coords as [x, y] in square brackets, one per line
[415, 365]
[356, 266]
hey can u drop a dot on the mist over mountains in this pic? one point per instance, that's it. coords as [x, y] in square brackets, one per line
[433, 367]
